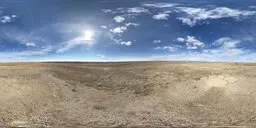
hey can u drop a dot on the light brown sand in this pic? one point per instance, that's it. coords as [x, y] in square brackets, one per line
[141, 94]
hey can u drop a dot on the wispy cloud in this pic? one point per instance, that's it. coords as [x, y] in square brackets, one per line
[23, 55]
[195, 56]
[101, 55]
[226, 42]
[169, 48]
[132, 24]
[194, 15]
[226, 49]
[160, 5]
[137, 10]
[107, 10]
[103, 26]
[157, 41]
[20, 37]
[253, 7]
[131, 10]
[75, 42]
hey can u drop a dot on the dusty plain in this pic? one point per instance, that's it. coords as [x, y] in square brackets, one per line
[127, 94]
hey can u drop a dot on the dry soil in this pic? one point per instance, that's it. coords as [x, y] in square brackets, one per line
[127, 94]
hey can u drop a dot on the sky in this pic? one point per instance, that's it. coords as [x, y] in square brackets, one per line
[128, 30]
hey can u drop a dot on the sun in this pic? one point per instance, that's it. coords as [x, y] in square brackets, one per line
[88, 35]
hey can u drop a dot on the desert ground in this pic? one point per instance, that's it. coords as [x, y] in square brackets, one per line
[127, 94]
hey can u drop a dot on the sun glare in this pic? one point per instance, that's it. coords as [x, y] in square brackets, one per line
[88, 35]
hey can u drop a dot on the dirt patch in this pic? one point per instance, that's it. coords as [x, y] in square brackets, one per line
[127, 94]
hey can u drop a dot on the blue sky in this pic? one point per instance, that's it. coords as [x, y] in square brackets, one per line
[120, 30]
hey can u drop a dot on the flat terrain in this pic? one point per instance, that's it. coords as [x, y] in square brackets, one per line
[140, 94]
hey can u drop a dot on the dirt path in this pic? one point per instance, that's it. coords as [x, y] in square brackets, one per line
[127, 94]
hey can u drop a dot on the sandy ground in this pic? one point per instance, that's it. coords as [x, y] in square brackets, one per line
[130, 94]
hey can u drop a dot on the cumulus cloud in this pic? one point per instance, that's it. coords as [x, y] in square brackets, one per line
[194, 15]
[160, 5]
[128, 43]
[191, 42]
[137, 10]
[161, 16]
[119, 19]
[180, 39]
[120, 29]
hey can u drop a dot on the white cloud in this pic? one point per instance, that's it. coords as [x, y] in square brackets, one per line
[132, 24]
[119, 19]
[75, 42]
[195, 56]
[161, 16]
[119, 29]
[13, 16]
[103, 26]
[122, 29]
[180, 39]
[7, 18]
[127, 11]
[30, 44]
[253, 7]
[160, 5]
[107, 10]
[157, 41]
[128, 43]
[137, 10]
[31, 39]
[14, 56]
[191, 42]
[169, 48]
[226, 51]
[194, 15]
[43, 51]
[226, 42]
